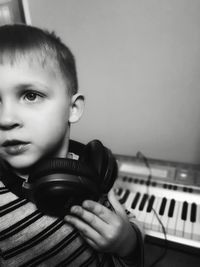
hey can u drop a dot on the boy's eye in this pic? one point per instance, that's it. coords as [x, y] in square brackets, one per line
[32, 96]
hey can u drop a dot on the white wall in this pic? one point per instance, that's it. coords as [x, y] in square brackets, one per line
[139, 67]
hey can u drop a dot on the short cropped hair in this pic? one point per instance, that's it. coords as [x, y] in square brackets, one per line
[20, 40]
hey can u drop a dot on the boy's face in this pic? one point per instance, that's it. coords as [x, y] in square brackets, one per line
[34, 114]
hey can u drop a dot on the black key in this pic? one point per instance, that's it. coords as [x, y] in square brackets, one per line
[150, 204]
[184, 211]
[137, 196]
[193, 214]
[147, 183]
[171, 208]
[118, 191]
[125, 196]
[154, 184]
[124, 178]
[143, 201]
[162, 206]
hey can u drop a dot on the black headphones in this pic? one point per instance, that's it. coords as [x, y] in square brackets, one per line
[56, 184]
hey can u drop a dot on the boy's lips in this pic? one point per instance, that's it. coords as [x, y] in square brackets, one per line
[15, 147]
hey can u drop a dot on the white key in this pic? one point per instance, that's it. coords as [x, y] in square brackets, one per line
[196, 226]
[123, 195]
[164, 218]
[143, 213]
[136, 210]
[119, 192]
[150, 215]
[155, 222]
[179, 222]
[171, 224]
[129, 201]
[188, 224]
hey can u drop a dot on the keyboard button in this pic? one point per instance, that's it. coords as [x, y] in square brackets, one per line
[135, 201]
[188, 224]
[150, 204]
[180, 222]
[171, 208]
[171, 224]
[143, 201]
[148, 222]
[184, 211]
[162, 207]
[193, 213]
[196, 226]
[142, 214]
[136, 211]
[164, 218]
[124, 197]
[155, 222]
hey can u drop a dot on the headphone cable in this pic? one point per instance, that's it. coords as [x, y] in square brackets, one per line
[140, 155]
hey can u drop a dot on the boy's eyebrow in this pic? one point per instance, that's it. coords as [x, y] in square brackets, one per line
[24, 86]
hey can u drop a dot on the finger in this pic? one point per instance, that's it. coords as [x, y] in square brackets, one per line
[119, 209]
[91, 243]
[85, 230]
[91, 219]
[99, 210]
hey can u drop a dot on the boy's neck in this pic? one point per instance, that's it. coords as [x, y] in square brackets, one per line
[24, 173]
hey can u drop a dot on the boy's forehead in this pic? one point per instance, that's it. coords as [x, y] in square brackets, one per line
[24, 72]
[30, 59]
[36, 60]
[32, 64]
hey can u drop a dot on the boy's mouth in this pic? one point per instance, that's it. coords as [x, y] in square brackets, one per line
[14, 147]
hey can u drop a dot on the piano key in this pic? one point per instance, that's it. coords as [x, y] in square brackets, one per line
[143, 201]
[184, 211]
[171, 208]
[143, 213]
[150, 203]
[164, 218]
[118, 191]
[150, 216]
[179, 222]
[139, 206]
[193, 212]
[124, 197]
[188, 224]
[171, 224]
[155, 222]
[134, 203]
[196, 226]
[136, 211]
[131, 197]
[162, 207]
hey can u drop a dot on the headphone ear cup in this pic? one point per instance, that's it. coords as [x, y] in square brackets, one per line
[56, 184]
[103, 163]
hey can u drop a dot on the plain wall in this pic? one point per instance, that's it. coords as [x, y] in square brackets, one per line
[139, 68]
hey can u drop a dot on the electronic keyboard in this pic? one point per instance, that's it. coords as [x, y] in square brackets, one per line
[164, 197]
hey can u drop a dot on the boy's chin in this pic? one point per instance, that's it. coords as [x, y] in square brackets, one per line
[21, 165]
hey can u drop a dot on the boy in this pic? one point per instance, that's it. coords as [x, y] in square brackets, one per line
[39, 100]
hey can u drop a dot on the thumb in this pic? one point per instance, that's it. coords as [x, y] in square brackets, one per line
[119, 209]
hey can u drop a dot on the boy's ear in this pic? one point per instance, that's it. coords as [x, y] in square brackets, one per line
[76, 108]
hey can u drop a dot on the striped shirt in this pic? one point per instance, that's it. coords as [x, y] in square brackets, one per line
[31, 238]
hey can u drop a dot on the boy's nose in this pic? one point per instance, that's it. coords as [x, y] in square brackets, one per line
[8, 118]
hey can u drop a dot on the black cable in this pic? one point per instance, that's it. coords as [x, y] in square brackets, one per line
[141, 156]
[165, 246]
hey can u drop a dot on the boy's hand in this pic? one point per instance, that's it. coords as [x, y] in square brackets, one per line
[103, 229]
